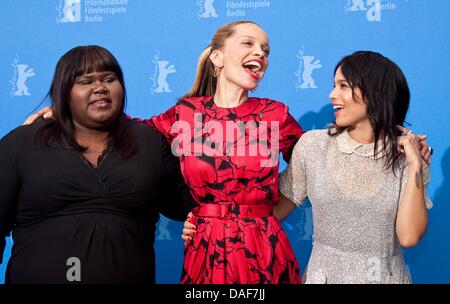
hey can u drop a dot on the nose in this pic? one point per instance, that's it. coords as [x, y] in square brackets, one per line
[100, 87]
[259, 51]
[333, 94]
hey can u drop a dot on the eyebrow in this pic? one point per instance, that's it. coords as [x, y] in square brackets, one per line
[246, 36]
[105, 73]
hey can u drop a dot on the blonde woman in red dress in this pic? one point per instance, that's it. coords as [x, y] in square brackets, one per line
[229, 145]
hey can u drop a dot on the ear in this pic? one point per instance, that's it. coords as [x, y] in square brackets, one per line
[216, 58]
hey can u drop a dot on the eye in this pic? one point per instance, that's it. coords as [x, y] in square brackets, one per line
[266, 51]
[249, 43]
[83, 81]
[110, 79]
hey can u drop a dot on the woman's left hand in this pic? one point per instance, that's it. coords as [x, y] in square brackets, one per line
[414, 147]
[424, 148]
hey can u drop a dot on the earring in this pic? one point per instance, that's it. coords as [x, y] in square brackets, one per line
[216, 72]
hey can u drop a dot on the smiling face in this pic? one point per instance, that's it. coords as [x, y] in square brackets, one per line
[350, 108]
[95, 100]
[244, 57]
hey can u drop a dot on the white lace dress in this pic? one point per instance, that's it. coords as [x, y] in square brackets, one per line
[354, 205]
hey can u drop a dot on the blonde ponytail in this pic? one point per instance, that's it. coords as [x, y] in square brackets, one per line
[205, 82]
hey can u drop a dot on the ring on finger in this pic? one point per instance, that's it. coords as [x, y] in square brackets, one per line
[406, 132]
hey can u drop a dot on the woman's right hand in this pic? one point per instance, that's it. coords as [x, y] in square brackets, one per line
[45, 113]
[189, 229]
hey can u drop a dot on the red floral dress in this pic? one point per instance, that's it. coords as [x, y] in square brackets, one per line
[229, 161]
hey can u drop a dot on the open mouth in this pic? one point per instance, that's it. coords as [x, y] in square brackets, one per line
[101, 103]
[253, 68]
[337, 108]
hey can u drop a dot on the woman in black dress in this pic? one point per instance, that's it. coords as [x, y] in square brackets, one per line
[82, 192]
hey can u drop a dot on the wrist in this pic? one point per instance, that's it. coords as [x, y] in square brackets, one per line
[417, 165]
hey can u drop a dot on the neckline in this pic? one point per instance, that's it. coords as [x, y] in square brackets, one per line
[245, 104]
[348, 145]
[100, 158]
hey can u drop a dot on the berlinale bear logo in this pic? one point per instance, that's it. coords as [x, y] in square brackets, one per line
[71, 11]
[162, 70]
[18, 81]
[207, 9]
[306, 67]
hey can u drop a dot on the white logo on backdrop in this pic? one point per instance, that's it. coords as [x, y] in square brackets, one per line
[163, 232]
[372, 8]
[72, 11]
[357, 5]
[21, 73]
[68, 11]
[207, 9]
[159, 78]
[93, 11]
[306, 67]
[231, 8]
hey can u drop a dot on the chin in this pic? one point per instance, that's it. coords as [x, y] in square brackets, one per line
[250, 87]
[341, 124]
[105, 116]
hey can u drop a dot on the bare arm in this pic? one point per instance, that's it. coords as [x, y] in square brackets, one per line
[283, 208]
[412, 217]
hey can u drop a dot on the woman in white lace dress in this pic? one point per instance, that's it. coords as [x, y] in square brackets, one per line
[364, 177]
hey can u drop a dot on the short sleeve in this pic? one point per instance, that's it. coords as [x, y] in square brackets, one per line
[290, 132]
[10, 183]
[426, 177]
[292, 182]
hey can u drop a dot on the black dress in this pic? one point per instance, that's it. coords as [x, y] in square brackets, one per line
[60, 209]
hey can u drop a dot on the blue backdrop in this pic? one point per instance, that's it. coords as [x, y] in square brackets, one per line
[158, 43]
